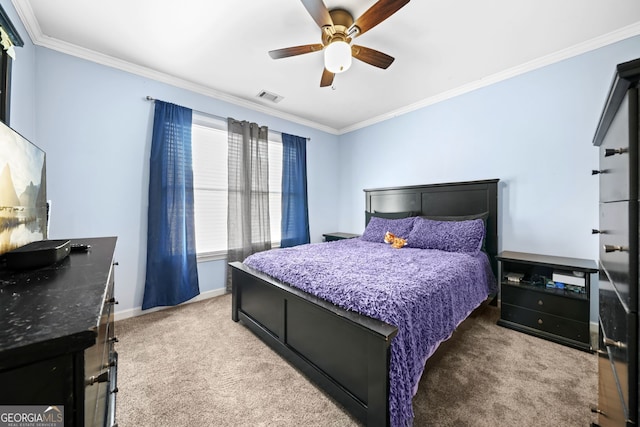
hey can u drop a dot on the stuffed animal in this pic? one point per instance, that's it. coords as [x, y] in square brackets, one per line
[396, 242]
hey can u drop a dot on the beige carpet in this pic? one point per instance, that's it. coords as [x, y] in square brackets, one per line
[193, 366]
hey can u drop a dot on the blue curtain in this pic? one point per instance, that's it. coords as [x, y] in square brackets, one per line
[172, 275]
[295, 209]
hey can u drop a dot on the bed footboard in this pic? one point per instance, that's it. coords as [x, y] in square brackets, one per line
[345, 353]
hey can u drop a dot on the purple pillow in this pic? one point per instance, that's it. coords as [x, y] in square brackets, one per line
[377, 228]
[450, 236]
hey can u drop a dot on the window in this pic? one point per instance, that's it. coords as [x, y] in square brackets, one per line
[209, 153]
[9, 38]
[5, 86]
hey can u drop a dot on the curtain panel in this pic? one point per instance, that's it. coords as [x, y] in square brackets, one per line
[172, 275]
[248, 222]
[295, 209]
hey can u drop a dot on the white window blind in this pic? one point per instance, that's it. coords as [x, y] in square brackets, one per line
[209, 153]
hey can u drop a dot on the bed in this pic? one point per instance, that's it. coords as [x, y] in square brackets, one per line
[349, 353]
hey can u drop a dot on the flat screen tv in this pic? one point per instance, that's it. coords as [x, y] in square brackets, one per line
[23, 191]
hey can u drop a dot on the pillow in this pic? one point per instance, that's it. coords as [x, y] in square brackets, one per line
[377, 228]
[451, 236]
[387, 215]
[483, 216]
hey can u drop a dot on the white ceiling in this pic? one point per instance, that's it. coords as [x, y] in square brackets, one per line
[219, 48]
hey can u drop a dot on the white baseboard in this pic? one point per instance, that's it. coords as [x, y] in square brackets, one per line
[137, 311]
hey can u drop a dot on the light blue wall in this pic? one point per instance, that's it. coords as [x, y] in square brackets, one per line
[533, 132]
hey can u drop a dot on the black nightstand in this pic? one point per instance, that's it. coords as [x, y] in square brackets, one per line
[338, 236]
[533, 302]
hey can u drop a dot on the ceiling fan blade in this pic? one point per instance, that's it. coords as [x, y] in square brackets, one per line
[371, 56]
[327, 78]
[318, 12]
[376, 14]
[295, 50]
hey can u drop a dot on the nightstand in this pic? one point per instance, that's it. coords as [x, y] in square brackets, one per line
[547, 296]
[329, 237]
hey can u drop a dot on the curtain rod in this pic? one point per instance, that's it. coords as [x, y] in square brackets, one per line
[150, 98]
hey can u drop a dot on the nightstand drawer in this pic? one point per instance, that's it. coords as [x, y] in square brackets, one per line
[571, 329]
[561, 306]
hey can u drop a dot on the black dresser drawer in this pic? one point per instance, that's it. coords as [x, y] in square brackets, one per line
[617, 250]
[570, 308]
[556, 325]
[100, 364]
[610, 403]
[618, 326]
[614, 167]
[96, 355]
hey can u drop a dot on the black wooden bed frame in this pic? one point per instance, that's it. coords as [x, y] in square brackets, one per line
[343, 352]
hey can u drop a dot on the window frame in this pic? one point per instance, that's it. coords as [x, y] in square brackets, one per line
[219, 124]
[6, 65]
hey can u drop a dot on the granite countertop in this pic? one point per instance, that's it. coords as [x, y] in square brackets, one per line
[55, 308]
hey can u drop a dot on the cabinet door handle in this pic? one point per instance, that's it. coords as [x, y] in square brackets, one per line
[615, 248]
[611, 151]
[103, 377]
[611, 343]
[540, 322]
[540, 302]
[594, 231]
[596, 172]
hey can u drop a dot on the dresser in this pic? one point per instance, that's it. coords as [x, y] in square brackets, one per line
[535, 299]
[57, 337]
[618, 142]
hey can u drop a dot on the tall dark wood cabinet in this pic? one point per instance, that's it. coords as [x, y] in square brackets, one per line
[57, 337]
[618, 142]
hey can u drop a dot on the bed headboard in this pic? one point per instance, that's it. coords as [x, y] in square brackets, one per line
[455, 198]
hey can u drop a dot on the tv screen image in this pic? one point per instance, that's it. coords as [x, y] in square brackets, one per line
[23, 191]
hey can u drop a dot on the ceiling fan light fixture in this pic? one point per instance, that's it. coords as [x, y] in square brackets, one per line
[337, 56]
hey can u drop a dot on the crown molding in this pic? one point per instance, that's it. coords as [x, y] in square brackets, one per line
[595, 43]
[26, 15]
[149, 73]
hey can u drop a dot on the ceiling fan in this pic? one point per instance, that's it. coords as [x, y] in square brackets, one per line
[338, 29]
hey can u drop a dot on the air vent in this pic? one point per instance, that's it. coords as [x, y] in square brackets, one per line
[269, 96]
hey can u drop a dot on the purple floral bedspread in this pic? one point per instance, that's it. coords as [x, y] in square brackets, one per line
[425, 293]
